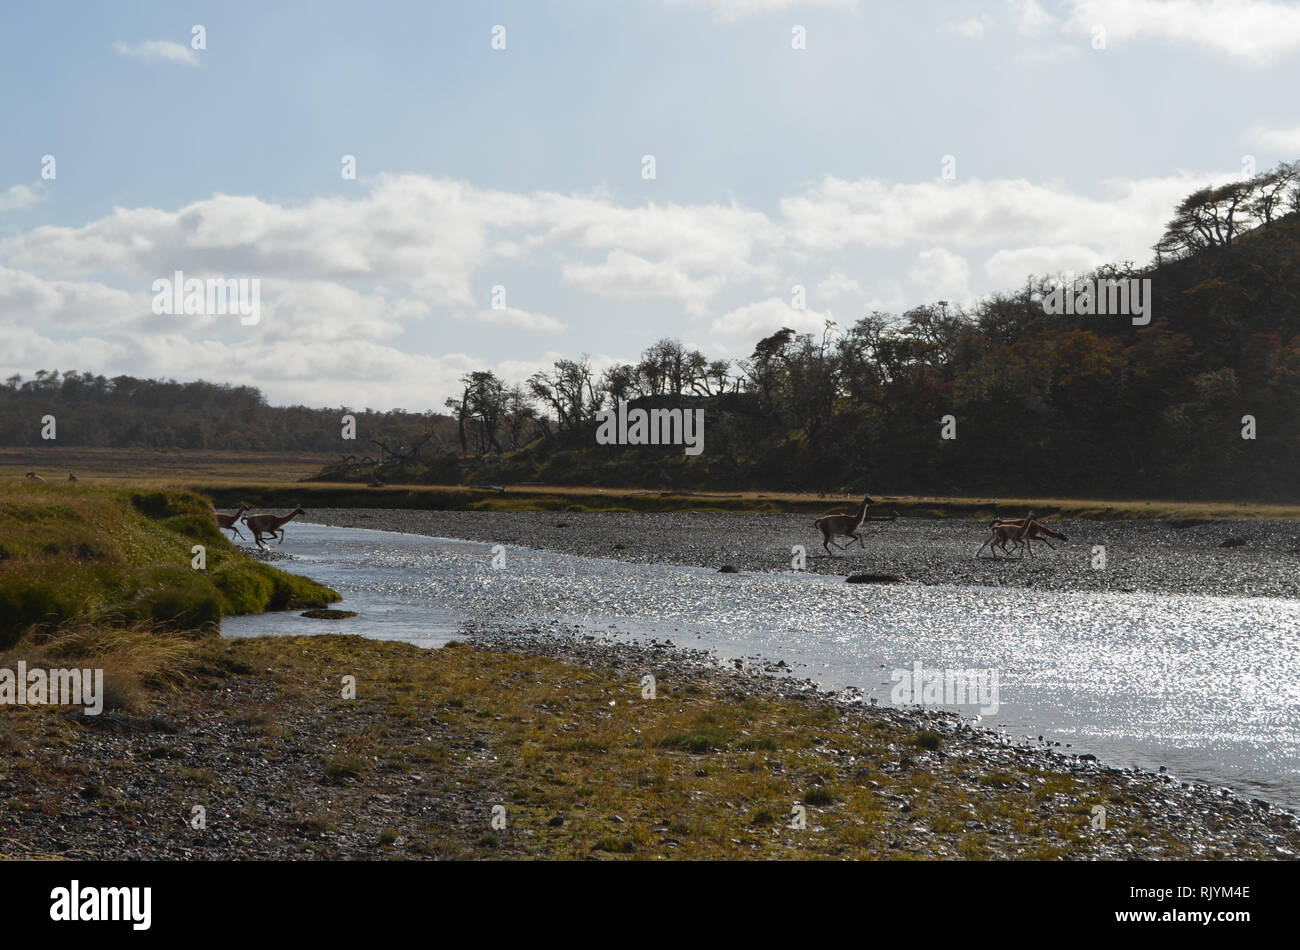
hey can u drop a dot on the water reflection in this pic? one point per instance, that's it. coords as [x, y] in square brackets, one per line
[1208, 686]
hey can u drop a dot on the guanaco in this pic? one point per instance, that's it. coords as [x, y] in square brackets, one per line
[269, 524]
[34, 477]
[227, 522]
[847, 525]
[1037, 531]
[1005, 531]
[1023, 531]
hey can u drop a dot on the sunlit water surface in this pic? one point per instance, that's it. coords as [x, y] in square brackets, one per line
[1207, 686]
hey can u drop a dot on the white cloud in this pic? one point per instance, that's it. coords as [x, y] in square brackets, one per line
[971, 28]
[1028, 16]
[886, 296]
[941, 275]
[295, 310]
[1286, 141]
[837, 286]
[24, 350]
[684, 252]
[628, 276]
[1258, 31]
[736, 9]
[521, 320]
[157, 51]
[430, 234]
[858, 297]
[1124, 220]
[29, 300]
[1009, 268]
[746, 325]
[19, 196]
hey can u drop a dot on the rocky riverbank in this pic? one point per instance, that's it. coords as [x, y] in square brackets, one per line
[1223, 557]
[529, 745]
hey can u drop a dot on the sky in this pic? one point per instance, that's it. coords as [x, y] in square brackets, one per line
[541, 180]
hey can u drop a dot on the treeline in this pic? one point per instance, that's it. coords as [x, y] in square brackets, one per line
[125, 412]
[1039, 404]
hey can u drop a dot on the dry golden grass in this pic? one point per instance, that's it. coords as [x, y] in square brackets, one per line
[134, 659]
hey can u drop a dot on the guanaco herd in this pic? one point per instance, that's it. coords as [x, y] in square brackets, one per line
[1020, 532]
[259, 524]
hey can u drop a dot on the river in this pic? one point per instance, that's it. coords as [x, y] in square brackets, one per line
[1208, 687]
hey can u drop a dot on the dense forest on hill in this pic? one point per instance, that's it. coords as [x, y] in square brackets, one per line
[1042, 403]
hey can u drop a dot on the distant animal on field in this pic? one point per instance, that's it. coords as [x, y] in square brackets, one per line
[34, 477]
[72, 478]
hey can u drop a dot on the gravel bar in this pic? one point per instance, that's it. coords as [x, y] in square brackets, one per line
[1221, 557]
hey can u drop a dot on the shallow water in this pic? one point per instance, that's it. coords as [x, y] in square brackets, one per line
[1207, 686]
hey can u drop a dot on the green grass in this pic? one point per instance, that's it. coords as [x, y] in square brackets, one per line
[109, 557]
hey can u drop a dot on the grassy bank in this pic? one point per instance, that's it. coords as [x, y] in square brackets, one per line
[79, 555]
[259, 733]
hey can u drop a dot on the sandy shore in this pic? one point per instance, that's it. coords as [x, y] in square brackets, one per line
[1262, 558]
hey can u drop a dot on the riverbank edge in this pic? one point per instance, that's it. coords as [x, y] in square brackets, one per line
[573, 498]
[560, 733]
[76, 556]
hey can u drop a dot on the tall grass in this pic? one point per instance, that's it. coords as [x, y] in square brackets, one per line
[81, 555]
